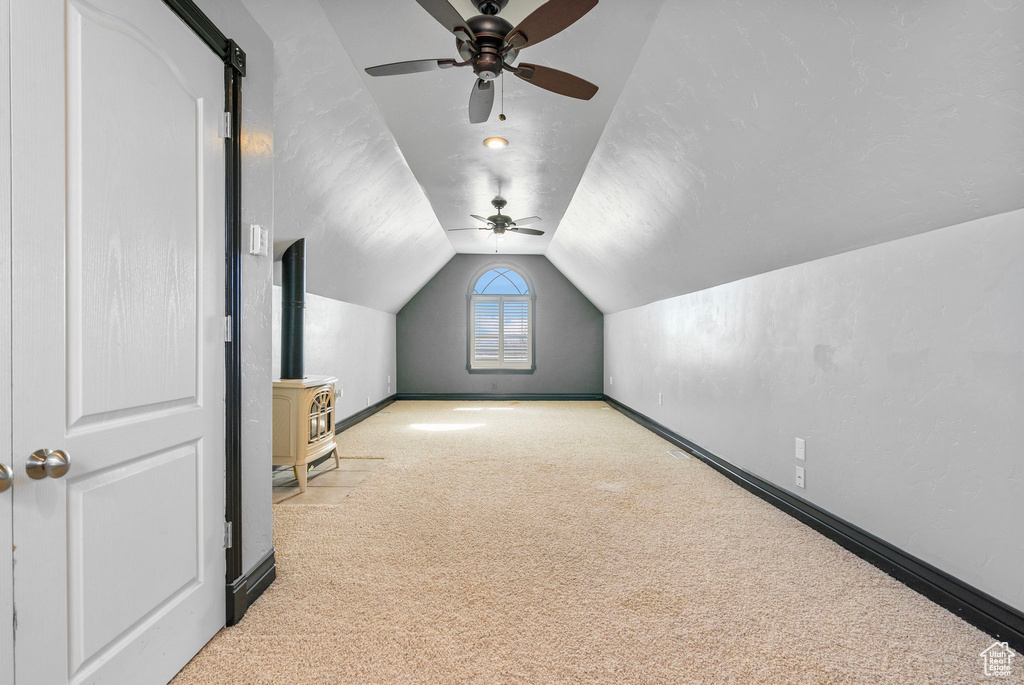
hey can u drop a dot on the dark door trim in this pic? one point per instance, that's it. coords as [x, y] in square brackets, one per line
[240, 590]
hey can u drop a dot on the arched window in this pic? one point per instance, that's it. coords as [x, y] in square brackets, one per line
[500, 321]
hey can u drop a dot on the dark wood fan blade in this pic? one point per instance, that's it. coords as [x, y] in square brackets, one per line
[526, 221]
[481, 100]
[526, 231]
[556, 81]
[475, 228]
[413, 67]
[480, 218]
[447, 16]
[552, 17]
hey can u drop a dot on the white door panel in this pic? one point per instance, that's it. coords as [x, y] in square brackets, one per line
[6, 498]
[118, 236]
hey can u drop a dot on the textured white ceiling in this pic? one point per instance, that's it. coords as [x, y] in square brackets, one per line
[340, 180]
[755, 135]
[730, 139]
[552, 137]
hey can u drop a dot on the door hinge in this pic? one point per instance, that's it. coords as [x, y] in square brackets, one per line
[227, 328]
[225, 131]
[227, 535]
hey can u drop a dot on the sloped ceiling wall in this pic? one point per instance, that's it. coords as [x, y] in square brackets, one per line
[340, 179]
[753, 136]
[552, 137]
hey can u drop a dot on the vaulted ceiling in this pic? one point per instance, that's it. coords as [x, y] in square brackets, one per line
[551, 137]
[727, 139]
[756, 135]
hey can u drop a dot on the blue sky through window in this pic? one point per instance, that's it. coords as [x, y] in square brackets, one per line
[501, 282]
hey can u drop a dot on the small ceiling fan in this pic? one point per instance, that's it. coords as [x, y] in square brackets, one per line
[491, 44]
[499, 223]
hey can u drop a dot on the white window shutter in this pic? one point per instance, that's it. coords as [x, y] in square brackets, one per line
[515, 333]
[486, 332]
[500, 332]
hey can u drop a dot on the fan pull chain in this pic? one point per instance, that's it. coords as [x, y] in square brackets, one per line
[501, 117]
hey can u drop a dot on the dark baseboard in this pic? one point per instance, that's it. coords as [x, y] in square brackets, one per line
[511, 397]
[346, 423]
[978, 608]
[247, 589]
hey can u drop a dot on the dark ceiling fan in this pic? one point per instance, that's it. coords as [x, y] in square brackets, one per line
[491, 44]
[500, 223]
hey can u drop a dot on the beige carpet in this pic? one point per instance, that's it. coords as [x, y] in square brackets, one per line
[559, 543]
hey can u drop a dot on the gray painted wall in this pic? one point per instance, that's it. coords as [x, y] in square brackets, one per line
[902, 366]
[432, 334]
[354, 343]
[235, 21]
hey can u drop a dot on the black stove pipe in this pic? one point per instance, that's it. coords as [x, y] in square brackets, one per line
[293, 310]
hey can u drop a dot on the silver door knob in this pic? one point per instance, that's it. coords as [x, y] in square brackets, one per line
[43, 463]
[6, 477]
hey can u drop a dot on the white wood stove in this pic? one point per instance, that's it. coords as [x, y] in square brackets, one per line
[303, 423]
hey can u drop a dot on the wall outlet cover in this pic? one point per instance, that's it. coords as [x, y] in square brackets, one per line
[801, 449]
[661, 399]
[800, 477]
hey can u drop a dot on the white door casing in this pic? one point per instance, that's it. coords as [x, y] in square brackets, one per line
[118, 305]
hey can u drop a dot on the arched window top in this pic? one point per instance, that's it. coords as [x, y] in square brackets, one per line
[501, 281]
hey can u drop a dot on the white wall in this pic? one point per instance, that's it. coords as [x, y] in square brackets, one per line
[354, 343]
[901, 364]
[341, 181]
[257, 208]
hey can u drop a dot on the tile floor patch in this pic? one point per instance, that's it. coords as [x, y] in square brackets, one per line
[337, 478]
[323, 495]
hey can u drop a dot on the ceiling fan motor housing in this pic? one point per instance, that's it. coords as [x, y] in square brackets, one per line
[489, 6]
[490, 32]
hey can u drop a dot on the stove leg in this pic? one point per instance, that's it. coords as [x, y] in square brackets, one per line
[300, 475]
[337, 459]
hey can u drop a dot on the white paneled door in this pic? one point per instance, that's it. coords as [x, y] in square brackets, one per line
[117, 335]
[6, 495]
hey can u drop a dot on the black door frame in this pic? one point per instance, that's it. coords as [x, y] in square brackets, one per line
[241, 588]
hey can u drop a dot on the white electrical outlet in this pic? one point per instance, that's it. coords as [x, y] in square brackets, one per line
[610, 381]
[661, 399]
[367, 401]
[801, 449]
[340, 392]
[800, 477]
[389, 379]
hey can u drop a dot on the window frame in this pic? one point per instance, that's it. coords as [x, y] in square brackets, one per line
[531, 298]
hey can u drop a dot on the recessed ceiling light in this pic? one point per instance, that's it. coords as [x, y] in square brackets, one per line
[496, 143]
